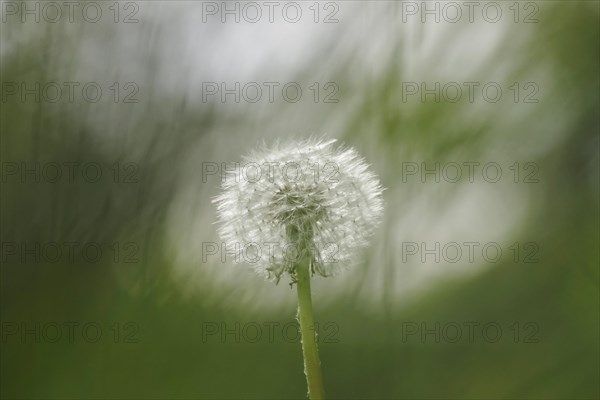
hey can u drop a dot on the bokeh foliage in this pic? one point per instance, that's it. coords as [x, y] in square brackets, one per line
[171, 359]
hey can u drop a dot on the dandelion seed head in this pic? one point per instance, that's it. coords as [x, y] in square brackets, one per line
[301, 196]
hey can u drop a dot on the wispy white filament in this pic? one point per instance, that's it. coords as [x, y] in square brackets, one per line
[304, 196]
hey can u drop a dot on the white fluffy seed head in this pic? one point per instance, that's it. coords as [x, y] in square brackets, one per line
[302, 199]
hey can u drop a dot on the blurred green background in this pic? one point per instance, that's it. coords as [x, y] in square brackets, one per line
[163, 310]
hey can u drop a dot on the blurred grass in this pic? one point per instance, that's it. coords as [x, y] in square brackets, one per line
[560, 293]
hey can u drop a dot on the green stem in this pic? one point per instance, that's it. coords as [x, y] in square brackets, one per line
[312, 363]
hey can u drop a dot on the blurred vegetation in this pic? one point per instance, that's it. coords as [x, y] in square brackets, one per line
[171, 359]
